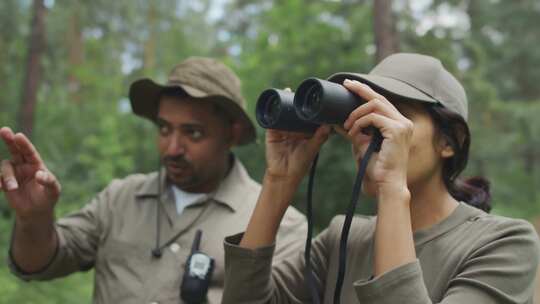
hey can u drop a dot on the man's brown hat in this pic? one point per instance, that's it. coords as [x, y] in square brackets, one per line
[415, 77]
[200, 78]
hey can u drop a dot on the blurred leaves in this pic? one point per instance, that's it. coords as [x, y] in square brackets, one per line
[87, 135]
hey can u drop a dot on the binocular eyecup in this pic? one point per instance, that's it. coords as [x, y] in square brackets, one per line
[316, 102]
[275, 110]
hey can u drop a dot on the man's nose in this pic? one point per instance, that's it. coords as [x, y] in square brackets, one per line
[176, 145]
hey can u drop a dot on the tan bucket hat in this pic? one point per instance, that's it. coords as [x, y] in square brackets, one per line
[200, 78]
[416, 77]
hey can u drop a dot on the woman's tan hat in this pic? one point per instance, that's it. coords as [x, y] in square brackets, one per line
[201, 78]
[416, 77]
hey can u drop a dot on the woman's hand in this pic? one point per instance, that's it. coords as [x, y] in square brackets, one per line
[388, 168]
[393, 245]
[288, 157]
[289, 154]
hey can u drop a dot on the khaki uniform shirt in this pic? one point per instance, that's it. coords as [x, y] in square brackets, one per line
[469, 258]
[116, 232]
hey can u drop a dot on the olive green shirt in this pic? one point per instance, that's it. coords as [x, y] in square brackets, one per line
[116, 231]
[469, 257]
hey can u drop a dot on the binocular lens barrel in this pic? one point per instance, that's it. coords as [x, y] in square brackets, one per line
[316, 102]
[275, 110]
[324, 102]
[272, 109]
[311, 104]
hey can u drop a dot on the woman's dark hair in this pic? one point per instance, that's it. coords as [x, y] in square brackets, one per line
[474, 190]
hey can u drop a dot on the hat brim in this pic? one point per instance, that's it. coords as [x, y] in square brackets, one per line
[144, 95]
[385, 86]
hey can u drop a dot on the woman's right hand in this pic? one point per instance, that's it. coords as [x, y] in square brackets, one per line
[288, 158]
[289, 154]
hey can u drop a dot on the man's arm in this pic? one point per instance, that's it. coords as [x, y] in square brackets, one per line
[31, 191]
[27, 237]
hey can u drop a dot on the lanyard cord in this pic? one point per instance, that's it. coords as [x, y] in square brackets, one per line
[374, 146]
[156, 252]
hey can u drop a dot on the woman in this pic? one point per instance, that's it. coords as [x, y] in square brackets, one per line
[431, 240]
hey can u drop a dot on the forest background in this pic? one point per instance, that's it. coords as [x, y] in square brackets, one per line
[65, 69]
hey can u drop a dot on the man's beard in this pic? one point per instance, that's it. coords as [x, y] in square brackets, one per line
[180, 171]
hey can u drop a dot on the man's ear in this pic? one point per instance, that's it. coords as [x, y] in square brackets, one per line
[235, 133]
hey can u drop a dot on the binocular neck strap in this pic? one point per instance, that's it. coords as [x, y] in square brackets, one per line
[374, 146]
[310, 280]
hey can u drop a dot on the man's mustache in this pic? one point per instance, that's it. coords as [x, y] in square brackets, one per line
[176, 159]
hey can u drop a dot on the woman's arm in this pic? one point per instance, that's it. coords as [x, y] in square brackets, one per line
[288, 157]
[248, 257]
[394, 245]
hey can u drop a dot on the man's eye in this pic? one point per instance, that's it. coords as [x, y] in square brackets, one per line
[164, 129]
[196, 134]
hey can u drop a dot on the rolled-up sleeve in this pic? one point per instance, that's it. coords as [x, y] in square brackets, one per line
[251, 278]
[404, 282]
[247, 272]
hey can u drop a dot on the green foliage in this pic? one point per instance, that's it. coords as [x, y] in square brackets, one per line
[87, 135]
[280, 49]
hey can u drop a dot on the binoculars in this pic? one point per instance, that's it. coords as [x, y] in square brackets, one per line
[316, 102]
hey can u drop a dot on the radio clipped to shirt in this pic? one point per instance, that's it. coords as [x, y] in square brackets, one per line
[197, 274]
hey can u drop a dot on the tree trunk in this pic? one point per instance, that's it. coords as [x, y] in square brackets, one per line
[149, 48]
[32, 77]
[76, 54]
[529, 159]
[3, 57]
[386, 39]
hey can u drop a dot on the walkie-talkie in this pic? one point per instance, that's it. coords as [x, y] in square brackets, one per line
[197, 274]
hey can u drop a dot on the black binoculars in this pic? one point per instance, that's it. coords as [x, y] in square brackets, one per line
[316, 102]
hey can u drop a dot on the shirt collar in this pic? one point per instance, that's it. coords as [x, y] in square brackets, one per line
[460, 215]
[150, 187]
[183, 199]
[230, 190]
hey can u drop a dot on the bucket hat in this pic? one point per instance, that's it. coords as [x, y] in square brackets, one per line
[200, 78]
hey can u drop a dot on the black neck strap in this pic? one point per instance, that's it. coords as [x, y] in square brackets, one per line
[307, 252]
[374, 146]
[157, 251]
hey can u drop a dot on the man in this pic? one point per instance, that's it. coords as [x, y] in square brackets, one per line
[138, 232]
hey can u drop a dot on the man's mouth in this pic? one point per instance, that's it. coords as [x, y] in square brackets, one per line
[177, 168]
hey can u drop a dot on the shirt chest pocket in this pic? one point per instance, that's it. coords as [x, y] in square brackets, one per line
[136, 272]
[124, 263]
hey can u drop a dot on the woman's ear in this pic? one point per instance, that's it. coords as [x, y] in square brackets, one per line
[445, 148]
[447, 144]
[443, 145]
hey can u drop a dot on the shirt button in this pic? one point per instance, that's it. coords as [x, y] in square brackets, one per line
[174, 247]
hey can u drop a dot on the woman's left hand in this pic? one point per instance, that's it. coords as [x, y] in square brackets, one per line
[388, 168]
